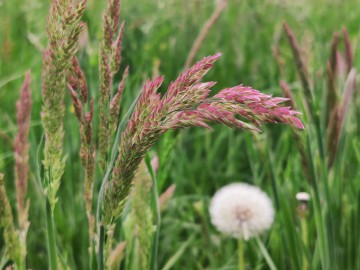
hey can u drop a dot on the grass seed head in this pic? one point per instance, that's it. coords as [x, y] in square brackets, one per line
[186, 104]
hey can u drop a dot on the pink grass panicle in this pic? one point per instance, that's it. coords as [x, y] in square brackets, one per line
[22, 146]
[186, 103]
[79, 93]
[109, 65]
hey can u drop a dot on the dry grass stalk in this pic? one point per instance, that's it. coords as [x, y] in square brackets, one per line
[300, 65]
[204, 32]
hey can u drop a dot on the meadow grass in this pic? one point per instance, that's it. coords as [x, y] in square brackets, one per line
[200, 161]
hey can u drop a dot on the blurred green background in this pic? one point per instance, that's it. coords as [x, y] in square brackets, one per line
[158, 37]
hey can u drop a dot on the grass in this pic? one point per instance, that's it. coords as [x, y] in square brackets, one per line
[201, 161]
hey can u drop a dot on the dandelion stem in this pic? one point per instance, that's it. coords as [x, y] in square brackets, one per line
[304, 236]
[266, 254]
[51, 236]
[241, 254]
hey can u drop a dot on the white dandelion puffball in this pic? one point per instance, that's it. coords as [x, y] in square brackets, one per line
[303, 196]
[241, 210]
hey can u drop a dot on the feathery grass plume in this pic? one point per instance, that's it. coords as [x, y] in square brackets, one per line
[22, 160]
[110, 60]
[79, 94]
[13, 250]
[186, 103]
[63, 30]
[139, 227]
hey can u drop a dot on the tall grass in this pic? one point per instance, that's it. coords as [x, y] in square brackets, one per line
[202, 161]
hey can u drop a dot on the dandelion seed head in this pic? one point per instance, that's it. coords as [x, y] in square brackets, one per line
[303, 209]
[241, 210]
[303, 196]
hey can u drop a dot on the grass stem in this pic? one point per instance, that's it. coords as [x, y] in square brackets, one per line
[51, 236]
[101, 248]
[304, 236]
[158, 214]
[266, 254]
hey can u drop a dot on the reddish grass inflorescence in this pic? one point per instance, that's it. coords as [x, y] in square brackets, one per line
[187, 103]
